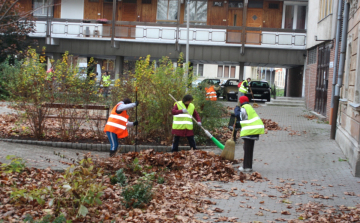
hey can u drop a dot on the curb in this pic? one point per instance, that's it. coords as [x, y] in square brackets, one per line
[99, 147]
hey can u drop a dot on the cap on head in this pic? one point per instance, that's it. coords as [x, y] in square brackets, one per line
[243, 99]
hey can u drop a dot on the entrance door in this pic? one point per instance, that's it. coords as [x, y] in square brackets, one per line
[129, 14]
[234, 19]
[254, 18]
[322, 79]
[107, 10]
[128, 11]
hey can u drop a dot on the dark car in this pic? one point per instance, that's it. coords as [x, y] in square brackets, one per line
[215, 82]
[230, 89]
[260, 89]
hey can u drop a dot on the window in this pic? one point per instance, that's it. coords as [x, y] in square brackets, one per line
[236, 4]
[273, 5]
[41, 7]
[312, 56]
[294, 16]
[226, 71]
[232, 72]
[289, 16]
[167, 10]
[325, 8]
[220, 4]
[198, 11]
[255, 4]
[200, 70]
[301, 14]
[146, 1]
[220, 71]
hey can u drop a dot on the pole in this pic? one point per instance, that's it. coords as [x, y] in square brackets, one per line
[113, 25]
[136, 127]
[187, 41]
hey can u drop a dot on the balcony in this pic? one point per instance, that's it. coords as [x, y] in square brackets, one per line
[154, 33]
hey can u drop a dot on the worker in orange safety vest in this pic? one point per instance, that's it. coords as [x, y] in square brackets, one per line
[116, 126]
[211, 93]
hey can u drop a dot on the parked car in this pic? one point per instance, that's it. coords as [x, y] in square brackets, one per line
[215, 82]
[195, 83]
[260, 89]
[230, 89]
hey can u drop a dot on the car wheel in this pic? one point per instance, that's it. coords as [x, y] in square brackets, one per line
[227, 97]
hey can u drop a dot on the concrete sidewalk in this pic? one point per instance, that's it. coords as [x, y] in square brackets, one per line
[302, 159]
[301, 163]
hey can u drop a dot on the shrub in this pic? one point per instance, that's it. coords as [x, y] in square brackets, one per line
[47, 219]
[78, 189]
[119, 178]
[16, 164]
[137, 195]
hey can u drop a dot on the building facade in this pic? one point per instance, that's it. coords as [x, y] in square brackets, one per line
[348, 118]
[320, 44]
[230, 34]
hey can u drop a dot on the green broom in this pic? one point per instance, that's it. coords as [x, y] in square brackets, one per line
[229, 148]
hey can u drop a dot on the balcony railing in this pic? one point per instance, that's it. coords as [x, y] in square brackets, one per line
[199, 35]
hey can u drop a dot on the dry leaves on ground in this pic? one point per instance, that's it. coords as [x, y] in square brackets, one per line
[179, 199]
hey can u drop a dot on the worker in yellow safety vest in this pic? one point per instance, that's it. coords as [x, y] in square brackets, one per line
[106, 83]
[182, 126]
[251, 127]
[244, 87]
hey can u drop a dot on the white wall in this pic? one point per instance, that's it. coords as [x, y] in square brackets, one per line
[72, 9]
[312, 23]
[324, 29]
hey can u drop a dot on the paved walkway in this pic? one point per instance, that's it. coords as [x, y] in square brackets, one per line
[301, 159]
[306, 162]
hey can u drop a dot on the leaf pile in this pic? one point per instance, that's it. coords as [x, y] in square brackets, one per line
[310, 117]
[316, 212]
[179, 199]
[270, 125]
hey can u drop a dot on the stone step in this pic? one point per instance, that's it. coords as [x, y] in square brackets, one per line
[284, 104]
[290, 98]
[287, 102]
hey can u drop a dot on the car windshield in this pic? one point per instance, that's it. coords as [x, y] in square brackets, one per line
[233, 82]
[259, 84]
[215, 82]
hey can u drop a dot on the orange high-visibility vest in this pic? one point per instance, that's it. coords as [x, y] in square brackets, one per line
[117, 123]
[211, 93]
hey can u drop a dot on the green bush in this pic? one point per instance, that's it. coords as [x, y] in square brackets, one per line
[119, 178]
[154, 84]
[137, 195]
[16, 164]
[47, 219]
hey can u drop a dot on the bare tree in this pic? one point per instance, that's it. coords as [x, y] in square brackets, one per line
[15, 25]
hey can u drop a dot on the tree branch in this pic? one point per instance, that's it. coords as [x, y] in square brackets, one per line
[13, 4]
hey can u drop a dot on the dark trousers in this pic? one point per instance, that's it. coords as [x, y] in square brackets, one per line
[234, 135]
[175, 146]
[248, 153]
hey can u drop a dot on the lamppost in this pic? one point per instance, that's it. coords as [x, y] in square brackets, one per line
[187, 41]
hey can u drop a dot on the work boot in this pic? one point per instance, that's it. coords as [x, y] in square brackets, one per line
[112, 153]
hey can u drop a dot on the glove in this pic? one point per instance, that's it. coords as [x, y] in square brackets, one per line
[199, 123]
[208, 134]
[135, 123]
[136, 103]
[184, 110]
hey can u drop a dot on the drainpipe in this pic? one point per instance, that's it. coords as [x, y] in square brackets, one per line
[340, 71]
[243, 32]
[113, 43]
[337, 39]
[177, 45]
